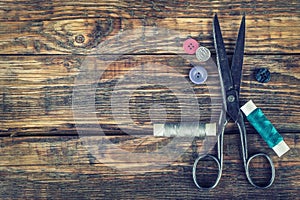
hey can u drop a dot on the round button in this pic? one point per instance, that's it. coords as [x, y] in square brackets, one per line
[198, 75]
[190, 46]
[262, 75]
[202, 54]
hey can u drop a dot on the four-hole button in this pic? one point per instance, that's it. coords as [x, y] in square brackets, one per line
[190, 46]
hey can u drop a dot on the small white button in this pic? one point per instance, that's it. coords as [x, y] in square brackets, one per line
[203, 54]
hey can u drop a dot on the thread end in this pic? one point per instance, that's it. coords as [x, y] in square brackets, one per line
[248, 108]
[158, 130]
[281, 148]
[211, 129]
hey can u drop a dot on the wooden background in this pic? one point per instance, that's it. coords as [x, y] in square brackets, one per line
[44, 43]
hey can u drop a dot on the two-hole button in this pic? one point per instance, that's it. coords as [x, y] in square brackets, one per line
[198, 75]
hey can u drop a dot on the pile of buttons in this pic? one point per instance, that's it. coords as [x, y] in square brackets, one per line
[198, 74]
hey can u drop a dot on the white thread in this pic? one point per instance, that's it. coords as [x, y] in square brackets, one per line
[187, 129]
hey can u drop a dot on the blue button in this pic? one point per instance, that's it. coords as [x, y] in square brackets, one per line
[262, 75]
[198, 75]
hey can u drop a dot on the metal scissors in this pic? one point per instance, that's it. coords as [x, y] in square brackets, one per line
[230, 87]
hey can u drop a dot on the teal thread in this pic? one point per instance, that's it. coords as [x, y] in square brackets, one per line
[264, 127]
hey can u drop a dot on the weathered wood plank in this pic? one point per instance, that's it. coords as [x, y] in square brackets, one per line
[36, 92]
[68, 150]
[52, 10]
[274, 35]
[36, 97]
[38, 166]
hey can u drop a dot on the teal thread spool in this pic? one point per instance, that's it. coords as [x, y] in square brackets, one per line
[265, 128]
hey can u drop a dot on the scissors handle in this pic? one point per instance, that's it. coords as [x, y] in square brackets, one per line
[216, 160]
[272, 167]
[241, 125]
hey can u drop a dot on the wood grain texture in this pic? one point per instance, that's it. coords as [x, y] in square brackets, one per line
[38, 10]
[264, 35]
[43, 46]
[55, 27]
[36, 92]
[56, 167]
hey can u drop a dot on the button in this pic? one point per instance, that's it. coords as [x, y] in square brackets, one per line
[262, 75]
[190, 46]
[198, 75]
[202, 54]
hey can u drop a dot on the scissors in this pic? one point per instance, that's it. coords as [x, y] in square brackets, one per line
[230, 87]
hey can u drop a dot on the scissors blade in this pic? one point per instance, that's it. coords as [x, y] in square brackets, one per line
[229, 94]
[238, 57]
[222, 61]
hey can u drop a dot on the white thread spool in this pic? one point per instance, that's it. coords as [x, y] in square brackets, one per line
[186, 129]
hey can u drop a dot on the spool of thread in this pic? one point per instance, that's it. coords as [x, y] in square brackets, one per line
[185, 129]
[265, 128]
